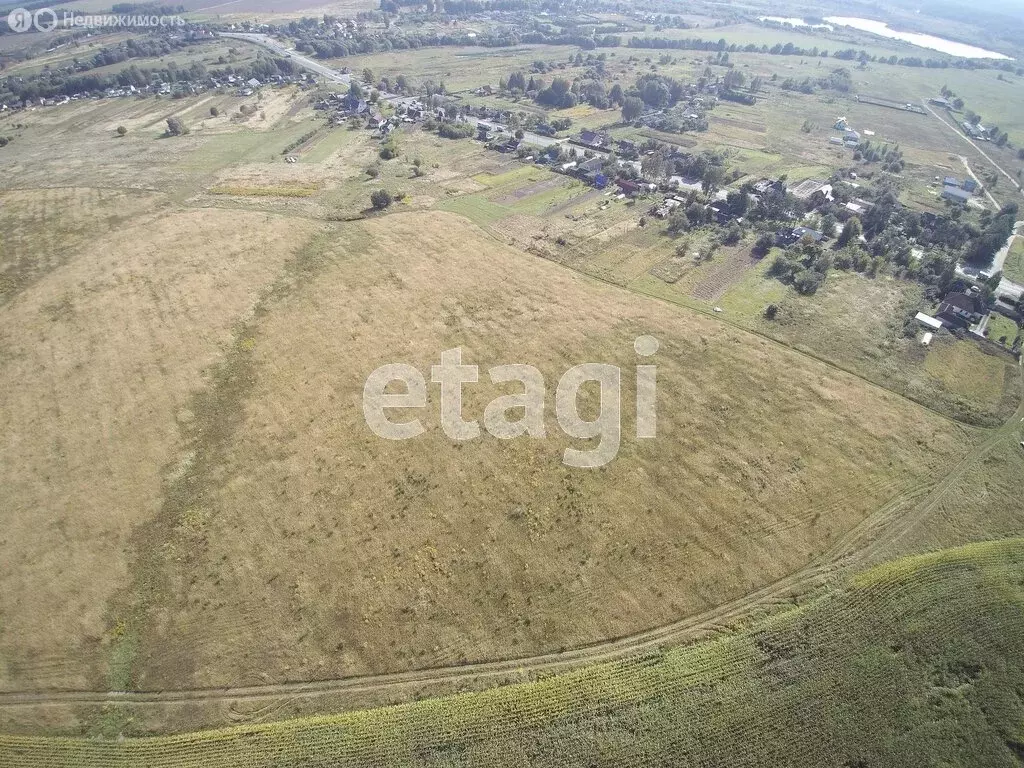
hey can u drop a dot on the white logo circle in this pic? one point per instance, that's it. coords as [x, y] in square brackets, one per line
[46, 19]
[20, 20]
[646, 346]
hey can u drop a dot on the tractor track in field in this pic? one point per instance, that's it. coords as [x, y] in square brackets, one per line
[885, 526]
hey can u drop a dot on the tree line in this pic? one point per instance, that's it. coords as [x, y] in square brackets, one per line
[790, 49]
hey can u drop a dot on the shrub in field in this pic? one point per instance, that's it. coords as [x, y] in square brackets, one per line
[389, 150]
[298, 142]
[807, 281]
[732, 234]
[764, 243]
[175, 127]
[381, 199]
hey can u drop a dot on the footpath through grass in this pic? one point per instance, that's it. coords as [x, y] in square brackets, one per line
[915, 662]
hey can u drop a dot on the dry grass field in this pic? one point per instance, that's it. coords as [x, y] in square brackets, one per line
[193, 500]
[100, 359]
[285, 541]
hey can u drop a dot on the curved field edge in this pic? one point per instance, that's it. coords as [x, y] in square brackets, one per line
[912, 660]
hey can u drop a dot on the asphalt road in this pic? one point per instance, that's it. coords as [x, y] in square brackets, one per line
[311, 64]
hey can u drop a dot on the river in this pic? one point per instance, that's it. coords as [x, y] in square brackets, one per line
[915, 38]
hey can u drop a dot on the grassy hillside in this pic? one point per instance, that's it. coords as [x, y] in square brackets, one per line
[915, 662]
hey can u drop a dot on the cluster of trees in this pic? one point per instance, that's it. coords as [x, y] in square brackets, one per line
[381, 198]
[558, 95]
[658, 92]
[455, 130]
[130, 49]
[805, 265]
[561, 93]
[996, 229]
[838, 79]
[891, 233]
[73, 77]
[891, 158]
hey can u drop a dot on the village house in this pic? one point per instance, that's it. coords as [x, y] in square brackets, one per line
[960, 310]
[593, 164]
[720, 212]
[764, 186]
[630, 188]
[593, 139]
[786, 237]
[955, 194]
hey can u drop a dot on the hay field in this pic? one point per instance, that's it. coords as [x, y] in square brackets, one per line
[298, 545]
[100, 358]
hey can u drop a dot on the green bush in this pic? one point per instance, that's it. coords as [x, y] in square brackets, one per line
[175, 127]
[381, 199]
[389, 150]
[455, 130]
